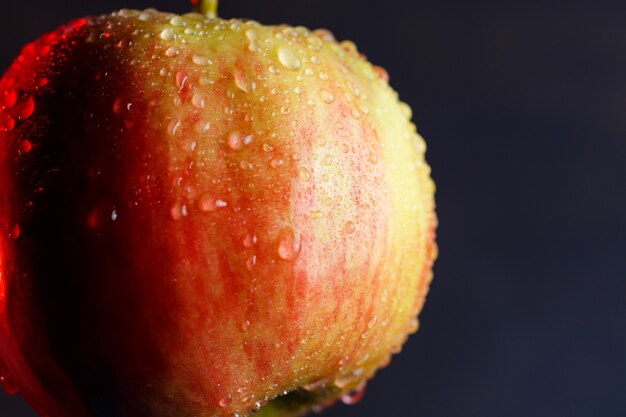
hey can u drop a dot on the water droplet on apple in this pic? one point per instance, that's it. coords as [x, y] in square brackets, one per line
[326, 96]
[208, 203]
[323, 76]
[355, 396]
[123, 43]
[168, 34]
[251, 262]
[253, 38]
[197, 100]
[316, 385]
[277, 163]
[288, 58]
[202, 127]
[356, 92]
[289, 244]
[25, 146]
[226, 401]
[171, 52]
[406, 110]
[317, 214]
[257, 406]
[235, 140]
[146, 15]
[177, 21]
[16, 231]
[350, 48]
[8, 123]
[27, 108]
[249, 240]
[181, 79]
[328, 160]
[9, 99]
[382, 73]
[201, 60]
[324, 34]
[173, 127]
[316, 60]
[414, 325]
[243, 82]
[309, 71]
[285, 110]
[178, 211]
[349, 379]
[305, 175]
[298, 90]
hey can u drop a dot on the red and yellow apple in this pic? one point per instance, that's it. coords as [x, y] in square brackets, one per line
[204, 217]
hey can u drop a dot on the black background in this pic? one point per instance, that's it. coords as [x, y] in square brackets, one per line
[523, 108]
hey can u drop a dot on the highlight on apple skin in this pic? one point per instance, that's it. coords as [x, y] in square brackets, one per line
[203, 217]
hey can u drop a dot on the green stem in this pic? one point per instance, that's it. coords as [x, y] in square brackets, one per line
[206, 7]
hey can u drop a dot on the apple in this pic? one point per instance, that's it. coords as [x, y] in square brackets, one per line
[204, 217]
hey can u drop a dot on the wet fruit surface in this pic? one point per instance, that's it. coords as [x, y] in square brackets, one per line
[204, 217]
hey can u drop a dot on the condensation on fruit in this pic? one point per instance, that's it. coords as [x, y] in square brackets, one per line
[244, 82]
[179, 210]
[16, 231]
[10, 99]
[172, 52]
[305, 175]
[351, 378]
[253, 37]
[168, 34]
[235, 140]
[289, 244]
[25, 146]
[28, 108]
[249, 240]
[201, 60]
[197, 100]
[288, 58]
[251, 262]
[208, 203]
[326, 96]
[355, 396]
[225, 402]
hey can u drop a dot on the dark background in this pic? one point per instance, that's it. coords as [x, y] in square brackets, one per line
[523, 107]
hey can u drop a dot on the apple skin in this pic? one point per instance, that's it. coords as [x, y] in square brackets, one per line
[198, 216]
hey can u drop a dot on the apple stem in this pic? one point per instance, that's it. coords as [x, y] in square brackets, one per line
[206, 7]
